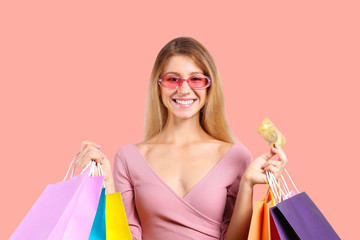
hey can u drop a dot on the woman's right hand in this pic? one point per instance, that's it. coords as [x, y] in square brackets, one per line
[90, 151]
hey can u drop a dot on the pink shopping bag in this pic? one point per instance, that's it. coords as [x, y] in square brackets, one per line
[65, 210]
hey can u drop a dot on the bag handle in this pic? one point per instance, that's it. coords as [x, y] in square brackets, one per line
[275, 188]
[269, 191]
[279, 187]
[291, 181]
[92, 170]
[72, 162]
[265, 188]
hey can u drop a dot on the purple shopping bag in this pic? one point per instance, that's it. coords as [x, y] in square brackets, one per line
[299, 218]
[64, 210]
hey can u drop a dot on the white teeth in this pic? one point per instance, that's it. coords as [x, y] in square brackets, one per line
[184, 102]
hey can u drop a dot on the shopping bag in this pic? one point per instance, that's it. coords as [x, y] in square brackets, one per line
[266, 232]
[98, 230]
[260, 219]
[296, 216]
[110, 221]
[117, 226]
[299, 218]
[64, 210]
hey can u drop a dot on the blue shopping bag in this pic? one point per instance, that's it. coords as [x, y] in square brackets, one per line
[98, 230]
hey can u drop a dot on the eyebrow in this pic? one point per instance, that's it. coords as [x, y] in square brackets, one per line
[180, 74]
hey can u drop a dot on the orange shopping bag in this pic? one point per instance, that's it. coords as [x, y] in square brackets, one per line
[260, 219]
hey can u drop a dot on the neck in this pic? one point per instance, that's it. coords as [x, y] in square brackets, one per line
[182, 131]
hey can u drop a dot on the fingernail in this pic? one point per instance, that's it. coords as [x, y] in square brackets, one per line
[98, 146]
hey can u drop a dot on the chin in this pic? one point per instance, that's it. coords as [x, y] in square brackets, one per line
[186, 115]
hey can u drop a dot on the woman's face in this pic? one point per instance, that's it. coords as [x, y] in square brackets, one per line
[185, 67]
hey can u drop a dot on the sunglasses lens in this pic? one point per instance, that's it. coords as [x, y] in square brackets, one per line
[198, 81]
[194, 81]
[170, 81]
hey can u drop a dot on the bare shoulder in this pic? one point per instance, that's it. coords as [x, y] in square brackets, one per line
[145, 147]
[219, 146]
[141, 146]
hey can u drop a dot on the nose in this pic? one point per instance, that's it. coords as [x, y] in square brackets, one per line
[184, 87]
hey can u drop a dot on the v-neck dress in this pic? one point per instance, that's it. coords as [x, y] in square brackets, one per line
[155, 211]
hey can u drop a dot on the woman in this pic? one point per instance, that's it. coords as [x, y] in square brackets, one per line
[188, 179]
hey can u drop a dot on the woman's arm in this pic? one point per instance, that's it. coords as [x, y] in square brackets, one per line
[123, 184]
[254, 174]
[240, 220]
[109, 185]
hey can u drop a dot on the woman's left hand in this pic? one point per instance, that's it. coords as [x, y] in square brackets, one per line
[255, 173]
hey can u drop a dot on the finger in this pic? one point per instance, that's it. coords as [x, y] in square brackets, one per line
[268, 155]
[91, 151]
[85, 146]
[81, 159]
[92, 148]
[274, 170]
[276, 166]
[86, 143]
[281, 154]
[277, 147]
[93, 155]
[276, 163]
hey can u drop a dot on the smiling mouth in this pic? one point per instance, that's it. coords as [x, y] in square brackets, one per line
[186, 102]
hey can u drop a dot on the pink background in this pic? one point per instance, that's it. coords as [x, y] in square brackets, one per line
[74, 70]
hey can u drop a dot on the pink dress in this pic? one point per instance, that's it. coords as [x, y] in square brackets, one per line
[155, 211]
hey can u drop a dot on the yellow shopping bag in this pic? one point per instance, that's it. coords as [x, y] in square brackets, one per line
[117, 227]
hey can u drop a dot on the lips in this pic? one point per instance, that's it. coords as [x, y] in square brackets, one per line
[183, 99]
[184, 103]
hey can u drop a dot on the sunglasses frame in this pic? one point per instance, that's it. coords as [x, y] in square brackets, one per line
[182, 80]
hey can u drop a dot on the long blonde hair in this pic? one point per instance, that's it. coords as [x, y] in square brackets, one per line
[212, 115]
